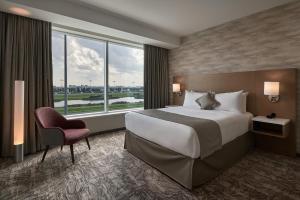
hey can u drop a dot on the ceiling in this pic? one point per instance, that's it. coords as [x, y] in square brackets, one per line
[90, 21]
[182, 17]
[156, 22]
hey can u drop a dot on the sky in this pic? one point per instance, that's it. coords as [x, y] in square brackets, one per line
[85, 61]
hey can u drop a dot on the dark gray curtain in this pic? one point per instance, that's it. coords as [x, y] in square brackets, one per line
[156, 77]
[25, 54]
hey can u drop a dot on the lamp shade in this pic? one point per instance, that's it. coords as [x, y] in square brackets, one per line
[176, 87]
[271, 88]
[19, 113]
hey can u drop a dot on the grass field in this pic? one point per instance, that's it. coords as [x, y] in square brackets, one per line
[93, 96]
[89, 108]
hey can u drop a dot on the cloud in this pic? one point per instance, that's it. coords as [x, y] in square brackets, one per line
[126, 65]
[58, 58]
[86, 62]
[126, 59]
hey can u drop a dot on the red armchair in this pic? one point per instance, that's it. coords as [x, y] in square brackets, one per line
[55, 130]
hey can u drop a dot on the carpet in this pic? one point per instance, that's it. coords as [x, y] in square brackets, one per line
[107, 171]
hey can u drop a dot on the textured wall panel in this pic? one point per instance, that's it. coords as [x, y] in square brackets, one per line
[266, 40]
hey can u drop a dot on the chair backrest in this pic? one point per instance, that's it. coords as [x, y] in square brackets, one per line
[47, 117]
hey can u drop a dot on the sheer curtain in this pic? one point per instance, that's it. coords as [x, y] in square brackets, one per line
[25, 54]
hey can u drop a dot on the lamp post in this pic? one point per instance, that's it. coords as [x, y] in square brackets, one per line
[19, 120]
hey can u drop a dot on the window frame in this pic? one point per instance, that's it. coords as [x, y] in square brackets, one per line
[107, 41]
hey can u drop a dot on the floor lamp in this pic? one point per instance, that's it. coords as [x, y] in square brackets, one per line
[19, 120]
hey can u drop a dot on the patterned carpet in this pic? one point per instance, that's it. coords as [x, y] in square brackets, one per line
[108, 171]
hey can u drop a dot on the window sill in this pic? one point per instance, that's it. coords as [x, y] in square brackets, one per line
[99, 114]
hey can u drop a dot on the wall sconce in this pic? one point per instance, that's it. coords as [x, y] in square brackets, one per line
[272, 90]
[19, 120]
[176, 89]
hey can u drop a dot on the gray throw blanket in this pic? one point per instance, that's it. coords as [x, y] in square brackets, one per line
[208, 131]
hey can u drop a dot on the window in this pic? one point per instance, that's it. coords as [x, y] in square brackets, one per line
[85, 75]
[126, 77]
[58, 62]
[85, 82]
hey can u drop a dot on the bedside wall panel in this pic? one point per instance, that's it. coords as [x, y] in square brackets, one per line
[257, 102]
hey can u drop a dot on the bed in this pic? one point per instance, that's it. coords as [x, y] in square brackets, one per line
[174, 148]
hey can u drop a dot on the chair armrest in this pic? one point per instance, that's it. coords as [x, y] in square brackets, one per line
[52, 136]
[74, 124]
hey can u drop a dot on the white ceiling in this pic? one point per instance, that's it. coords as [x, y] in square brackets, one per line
[155, 22]
[182, 17]
[88, 20]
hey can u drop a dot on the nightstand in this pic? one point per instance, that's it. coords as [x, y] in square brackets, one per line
[276, 127]
[275, 135]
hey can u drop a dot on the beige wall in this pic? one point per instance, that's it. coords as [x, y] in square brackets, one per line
[270, 39]
[103, 122]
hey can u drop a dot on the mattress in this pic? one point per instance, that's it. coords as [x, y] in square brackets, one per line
[181, 138]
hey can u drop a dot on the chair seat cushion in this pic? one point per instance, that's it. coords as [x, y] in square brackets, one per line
[74, 135]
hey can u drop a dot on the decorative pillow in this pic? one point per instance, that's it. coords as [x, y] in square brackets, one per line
[190, 98]
[208, 101]
[231, 101]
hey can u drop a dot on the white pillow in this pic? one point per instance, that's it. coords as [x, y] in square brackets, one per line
[231, 101]
[190, 99]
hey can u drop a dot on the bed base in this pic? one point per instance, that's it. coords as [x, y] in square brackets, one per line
[187, 171]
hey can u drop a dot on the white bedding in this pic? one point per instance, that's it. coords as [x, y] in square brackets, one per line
[181, 138]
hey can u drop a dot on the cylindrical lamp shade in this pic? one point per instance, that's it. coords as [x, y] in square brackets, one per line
[271, 88]
[176, 87]
[19, 120]
[19, 113]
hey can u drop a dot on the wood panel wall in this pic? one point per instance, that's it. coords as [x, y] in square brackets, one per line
[257, 102]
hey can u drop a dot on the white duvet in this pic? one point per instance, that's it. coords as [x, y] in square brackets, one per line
[181, 138]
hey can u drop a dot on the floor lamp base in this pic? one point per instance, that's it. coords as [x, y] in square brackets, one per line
[19, 153]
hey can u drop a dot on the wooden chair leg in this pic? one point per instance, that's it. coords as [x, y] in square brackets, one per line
[61, 147]
[72, 153]
[45, 152]
[87, 141]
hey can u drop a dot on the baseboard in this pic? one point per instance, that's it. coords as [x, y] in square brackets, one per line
[108, 131]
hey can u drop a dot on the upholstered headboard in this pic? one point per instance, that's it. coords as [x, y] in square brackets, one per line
[253, 82]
